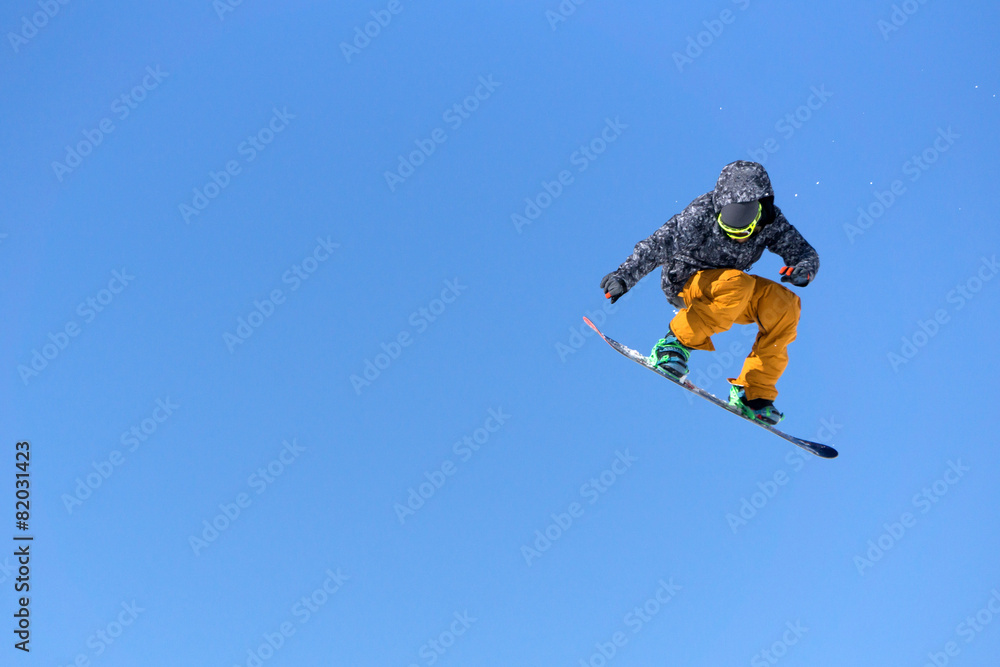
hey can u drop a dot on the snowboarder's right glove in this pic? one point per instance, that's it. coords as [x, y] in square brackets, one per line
[796, 276]
[613, 287]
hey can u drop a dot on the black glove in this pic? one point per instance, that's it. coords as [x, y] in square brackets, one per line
[613, 287]
[796, 276]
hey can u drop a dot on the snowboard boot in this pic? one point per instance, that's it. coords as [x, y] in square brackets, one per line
[758, 409]
[671, 356]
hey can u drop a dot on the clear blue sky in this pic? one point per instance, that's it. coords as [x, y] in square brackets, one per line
[202, 245]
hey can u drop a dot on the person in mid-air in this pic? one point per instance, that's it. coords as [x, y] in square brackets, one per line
[705, 251]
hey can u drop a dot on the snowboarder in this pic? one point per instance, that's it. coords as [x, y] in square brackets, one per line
[705, 251]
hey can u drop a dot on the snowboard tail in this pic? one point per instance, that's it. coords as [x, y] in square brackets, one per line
[819, 449]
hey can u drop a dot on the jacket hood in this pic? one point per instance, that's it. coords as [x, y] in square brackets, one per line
[740, 182]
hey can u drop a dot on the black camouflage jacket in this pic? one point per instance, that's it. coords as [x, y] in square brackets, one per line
[692, 240]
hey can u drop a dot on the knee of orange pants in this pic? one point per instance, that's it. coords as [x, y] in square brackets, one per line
[776, 309]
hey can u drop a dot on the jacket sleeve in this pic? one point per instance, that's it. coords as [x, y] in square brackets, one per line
[649, 254]
[794, 250]
[675, 236]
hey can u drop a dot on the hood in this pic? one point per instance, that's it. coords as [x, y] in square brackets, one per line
[740, 182]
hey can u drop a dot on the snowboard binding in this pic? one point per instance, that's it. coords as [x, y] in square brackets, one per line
[671, 356]
[767, 414]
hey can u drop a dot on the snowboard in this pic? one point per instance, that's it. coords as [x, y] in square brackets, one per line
[821, 450]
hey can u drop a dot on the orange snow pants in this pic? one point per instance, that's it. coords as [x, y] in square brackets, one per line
[718, 298]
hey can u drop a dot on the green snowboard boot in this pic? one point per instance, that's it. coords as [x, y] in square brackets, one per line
[671, 356]
[762, 410]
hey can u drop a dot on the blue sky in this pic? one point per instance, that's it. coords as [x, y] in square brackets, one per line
[285, 409]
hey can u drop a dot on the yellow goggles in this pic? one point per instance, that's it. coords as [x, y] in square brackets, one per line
[744, 232]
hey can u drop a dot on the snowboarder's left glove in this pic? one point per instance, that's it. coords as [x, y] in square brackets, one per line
[613, 287]
[796, 276]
